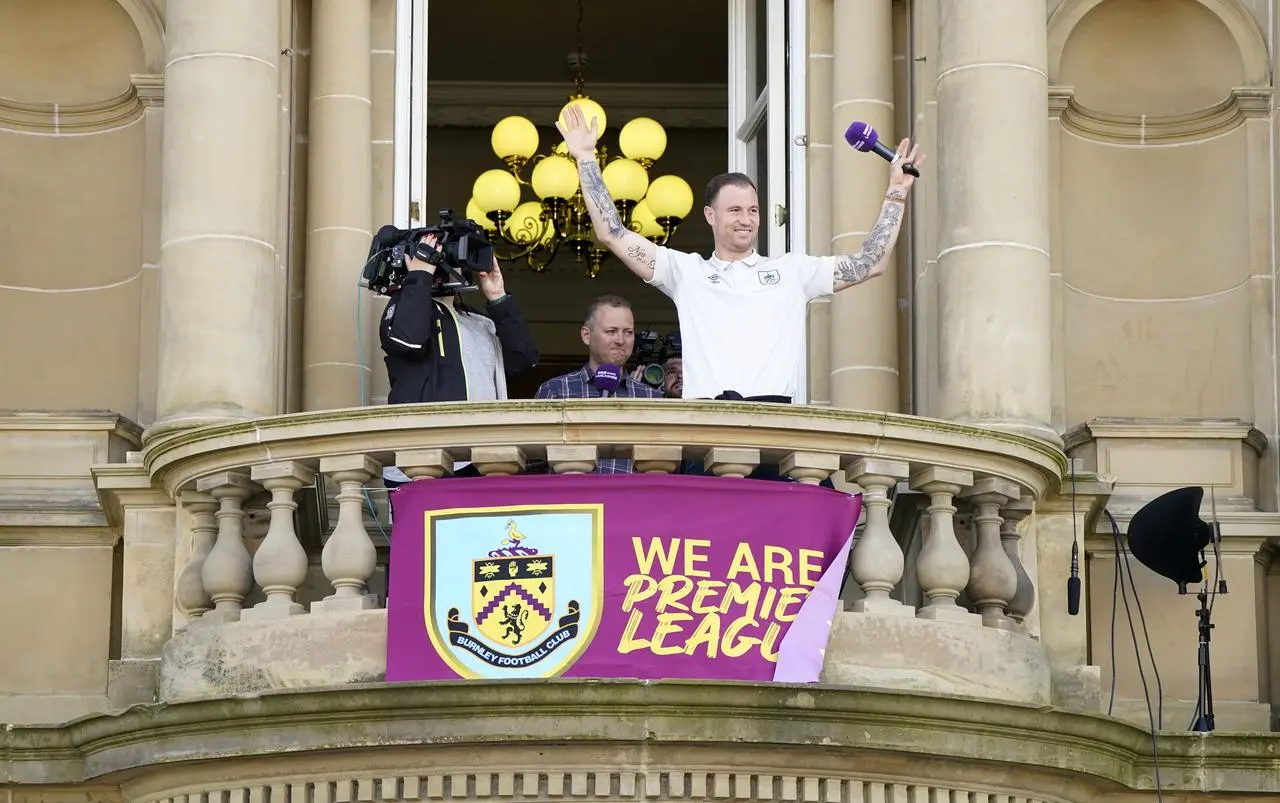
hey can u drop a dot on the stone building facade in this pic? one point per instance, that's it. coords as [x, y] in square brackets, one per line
[1081, 316]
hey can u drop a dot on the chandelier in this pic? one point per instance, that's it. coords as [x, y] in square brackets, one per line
[537, 230]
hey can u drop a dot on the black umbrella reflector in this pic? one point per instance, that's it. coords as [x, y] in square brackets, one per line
[1169, 538]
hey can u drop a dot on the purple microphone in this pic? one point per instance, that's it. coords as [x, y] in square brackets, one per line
[607, 378]
[864, 138]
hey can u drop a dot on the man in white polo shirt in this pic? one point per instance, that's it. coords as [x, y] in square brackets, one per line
[742, 315]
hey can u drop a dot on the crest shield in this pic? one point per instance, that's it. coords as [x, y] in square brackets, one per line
[513, 599]
[513, 592]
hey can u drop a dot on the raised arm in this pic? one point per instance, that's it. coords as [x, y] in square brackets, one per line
[636, 252]
[873, 258]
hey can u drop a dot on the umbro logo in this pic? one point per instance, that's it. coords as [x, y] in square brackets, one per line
[714, 278]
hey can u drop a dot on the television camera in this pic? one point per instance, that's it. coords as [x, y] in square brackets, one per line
[652, 352]
[462, 248]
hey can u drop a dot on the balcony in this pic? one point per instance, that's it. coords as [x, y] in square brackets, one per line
[279, 567]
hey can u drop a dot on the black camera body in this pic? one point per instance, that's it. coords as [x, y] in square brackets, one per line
[462, 248]
[652, 352]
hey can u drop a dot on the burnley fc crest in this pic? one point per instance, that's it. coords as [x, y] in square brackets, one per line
[513, 592]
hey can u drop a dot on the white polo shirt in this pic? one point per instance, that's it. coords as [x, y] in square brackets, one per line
[742, 323]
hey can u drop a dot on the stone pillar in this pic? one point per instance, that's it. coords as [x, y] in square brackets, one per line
[150, 89]
[819, 68]
[993, 216]
[339, 207]
[864, 321]
[220, 276]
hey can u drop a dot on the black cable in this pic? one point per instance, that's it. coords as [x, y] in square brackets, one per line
[1146, 634]
[1115, 594]
[1142, 675]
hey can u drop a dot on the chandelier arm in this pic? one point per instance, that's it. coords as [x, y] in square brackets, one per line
[520, 254]
[519, 167]
[540, 265]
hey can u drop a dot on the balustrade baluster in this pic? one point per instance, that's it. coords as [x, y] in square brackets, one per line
[992, 579]
[572, 458]
[1025, 597]
[189, 590]
[656, 459]
[729, 461]
[349, 557]
[810, 468]
[280, 564]
[227, 573]
[500, 460]
[942, 567]
[420, 464]
[876, 561]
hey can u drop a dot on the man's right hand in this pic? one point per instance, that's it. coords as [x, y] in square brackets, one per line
[424, 266]
[579, 137]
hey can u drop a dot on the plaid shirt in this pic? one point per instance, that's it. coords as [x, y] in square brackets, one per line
[577, 385]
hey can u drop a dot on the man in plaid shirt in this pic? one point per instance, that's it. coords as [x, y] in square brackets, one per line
[609, 333]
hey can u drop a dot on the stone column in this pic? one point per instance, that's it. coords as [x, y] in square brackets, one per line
[339, 207]
[993, 216]
[218, 261]
[864, 321]
[150, 89]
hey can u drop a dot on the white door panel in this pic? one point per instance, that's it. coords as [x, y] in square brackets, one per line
[767, 118]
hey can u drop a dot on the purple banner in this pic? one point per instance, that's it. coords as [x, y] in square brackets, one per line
[616, 575]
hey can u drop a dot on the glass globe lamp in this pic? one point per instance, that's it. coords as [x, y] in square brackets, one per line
[514, 140]
[643, 140]
[495, 191]
[644, 223]
[555, 177]
[670, 200]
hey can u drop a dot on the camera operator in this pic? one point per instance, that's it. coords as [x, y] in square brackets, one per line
[608, 332]
[440, 350]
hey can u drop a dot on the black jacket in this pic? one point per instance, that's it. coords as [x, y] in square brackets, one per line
[420, 337]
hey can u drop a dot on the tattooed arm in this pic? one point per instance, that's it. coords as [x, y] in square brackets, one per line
[871, 261]
[637, 253]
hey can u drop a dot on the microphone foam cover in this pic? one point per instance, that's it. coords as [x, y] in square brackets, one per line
[1073, 596]
[386, 237]
[607, 377]
[861, 136]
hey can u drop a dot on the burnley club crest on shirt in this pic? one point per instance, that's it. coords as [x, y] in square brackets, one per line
[528, 604]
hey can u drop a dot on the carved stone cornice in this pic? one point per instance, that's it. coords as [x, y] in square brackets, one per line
[150, 89]
[1233, 429]
[474, 103]
[77, 118]
[1141, 129]
[664, 740]
[47, 493]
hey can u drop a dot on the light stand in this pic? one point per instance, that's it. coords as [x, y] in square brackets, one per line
[1204, 701]
[1168, 537]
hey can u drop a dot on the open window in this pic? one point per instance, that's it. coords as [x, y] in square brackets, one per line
[766, 114]
[410, 183]
[767, 131]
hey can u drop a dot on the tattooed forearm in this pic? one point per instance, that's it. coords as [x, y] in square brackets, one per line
[857, 268]
[604, 215]
[643, 256]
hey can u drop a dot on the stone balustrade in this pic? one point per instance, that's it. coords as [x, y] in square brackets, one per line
[252, 611]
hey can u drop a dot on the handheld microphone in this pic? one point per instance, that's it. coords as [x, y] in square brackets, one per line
[607, 378]
[1073, 582]
[864, 138]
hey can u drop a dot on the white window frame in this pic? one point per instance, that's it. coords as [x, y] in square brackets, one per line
[410, 161]
[784, 92]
